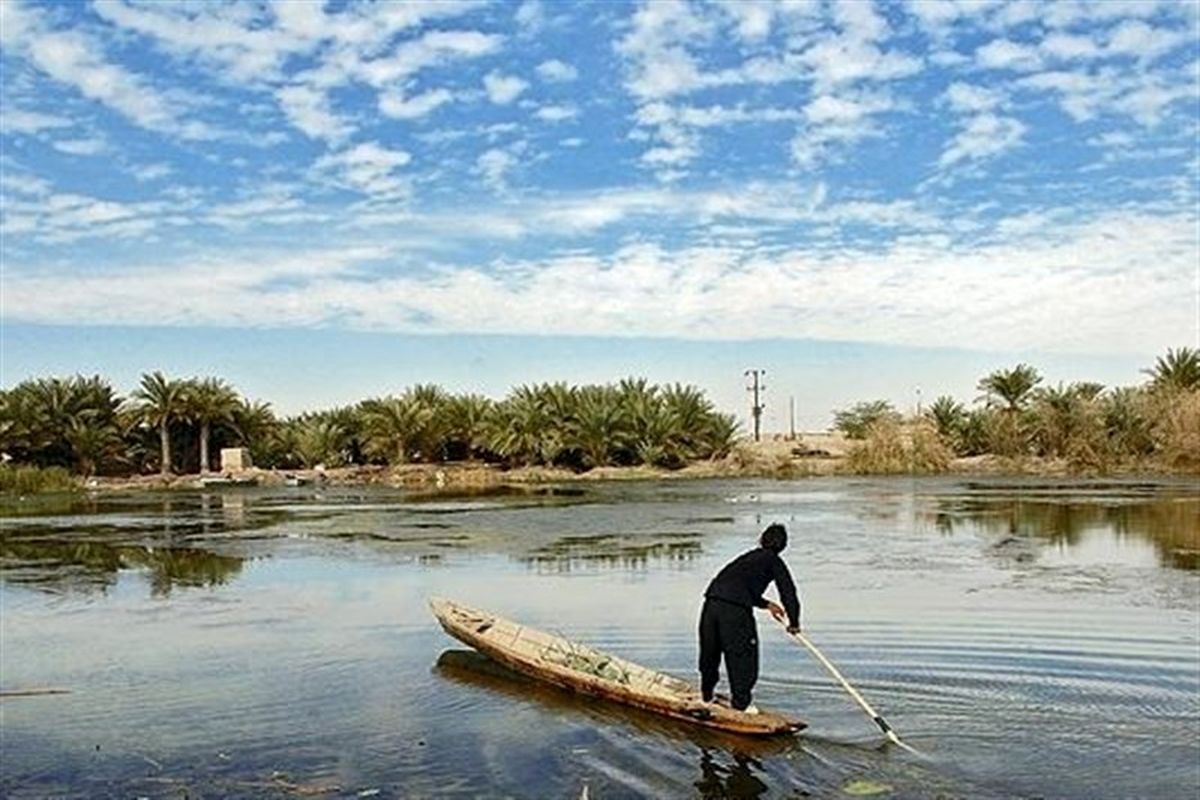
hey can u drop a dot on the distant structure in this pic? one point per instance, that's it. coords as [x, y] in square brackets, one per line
[757, 387]
[235, 459]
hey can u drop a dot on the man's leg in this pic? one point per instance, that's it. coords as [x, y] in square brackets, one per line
[741, 657]
[710, 651]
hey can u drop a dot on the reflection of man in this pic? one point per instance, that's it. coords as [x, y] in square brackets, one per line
[727, 620]
[736, 780]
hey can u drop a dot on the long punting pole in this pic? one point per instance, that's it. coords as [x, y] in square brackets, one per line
[858, 698]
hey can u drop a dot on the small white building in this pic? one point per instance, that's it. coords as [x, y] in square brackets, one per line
[235, 459]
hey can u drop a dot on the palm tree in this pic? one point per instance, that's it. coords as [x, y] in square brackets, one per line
[856, 421]
[94, 442]
[429, 438]
[208, 401]
[1128, 422]
[690, 413]
[1056, 418]
[313, 439]
[393, 426]
[519, 429]
[161, 401]
[947, 415]
[1178, 370]
[596, 427]
[462, 420]
[256, 426]
[1087, 390]
[719, 434]
[1013, 386]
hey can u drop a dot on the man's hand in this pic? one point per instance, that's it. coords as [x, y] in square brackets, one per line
[776, 611]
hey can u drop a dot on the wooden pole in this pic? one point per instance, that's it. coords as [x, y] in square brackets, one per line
[875, 716]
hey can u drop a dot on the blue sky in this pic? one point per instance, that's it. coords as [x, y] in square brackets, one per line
[861, 197]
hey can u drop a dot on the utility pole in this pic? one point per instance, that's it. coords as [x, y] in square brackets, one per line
[757, 388]
[792, 415]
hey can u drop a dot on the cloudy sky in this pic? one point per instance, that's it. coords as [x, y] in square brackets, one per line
[321, 201]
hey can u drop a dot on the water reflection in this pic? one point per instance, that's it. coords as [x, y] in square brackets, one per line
[616, 550]
[1170, 523]
[737, 780]
[317, 662]
[471, 668]
[68, 566]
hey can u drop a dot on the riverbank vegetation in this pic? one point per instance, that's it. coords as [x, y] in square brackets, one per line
[53, 428]
[174, 426]
[1017, 418]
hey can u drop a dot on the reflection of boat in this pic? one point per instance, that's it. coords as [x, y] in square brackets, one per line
[581, 669]
[473, 669]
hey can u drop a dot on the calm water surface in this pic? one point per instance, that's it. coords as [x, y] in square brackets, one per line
[1030, 639]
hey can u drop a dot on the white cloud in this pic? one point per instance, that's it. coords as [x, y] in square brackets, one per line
[253, 45]
[494, 165]
[656, 49]
[982, 136]
[74, 59]
[1069, 13]
[309, 110]
[14, 183]
[432, 49]
[1069, 46]
[1008, 55]
[14, 121]
[969, 98]
[397, 106]
[69, 217]
[835, 121]
[752, 18]
[530, 17]
[81, 147]
[555, 71]
[369, 168]
[1117, 283]
[1136, 38]
[556, 113]
[151, 172]
[503, 89]
[1144, 96]
[859, 20]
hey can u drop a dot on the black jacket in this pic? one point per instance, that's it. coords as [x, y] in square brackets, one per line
[743, 581]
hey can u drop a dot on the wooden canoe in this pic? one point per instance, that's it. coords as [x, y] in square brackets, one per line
[578, 668]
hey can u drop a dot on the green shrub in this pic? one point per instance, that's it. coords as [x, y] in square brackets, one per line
[857, 420]
[20, 479]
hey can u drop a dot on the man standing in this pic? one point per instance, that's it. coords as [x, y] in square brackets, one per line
[727, 619]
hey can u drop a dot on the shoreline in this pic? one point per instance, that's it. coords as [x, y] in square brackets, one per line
[812, 455]
[466, 476]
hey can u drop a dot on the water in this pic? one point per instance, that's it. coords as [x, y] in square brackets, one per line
[1030, 639]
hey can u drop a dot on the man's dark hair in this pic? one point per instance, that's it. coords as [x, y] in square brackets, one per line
[774, 537]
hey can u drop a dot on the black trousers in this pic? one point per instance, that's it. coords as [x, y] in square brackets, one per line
[727, 629]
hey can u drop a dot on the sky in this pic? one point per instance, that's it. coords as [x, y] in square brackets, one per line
[323, 201]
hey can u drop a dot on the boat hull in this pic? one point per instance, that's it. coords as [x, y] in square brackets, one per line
[558, 661]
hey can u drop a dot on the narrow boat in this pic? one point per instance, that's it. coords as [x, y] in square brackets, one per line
[582, 669]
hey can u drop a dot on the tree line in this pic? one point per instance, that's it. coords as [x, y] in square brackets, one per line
[174, 425]
[1086, 424]
[82, 425]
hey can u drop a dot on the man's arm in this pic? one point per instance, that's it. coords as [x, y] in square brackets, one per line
[787, 592]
